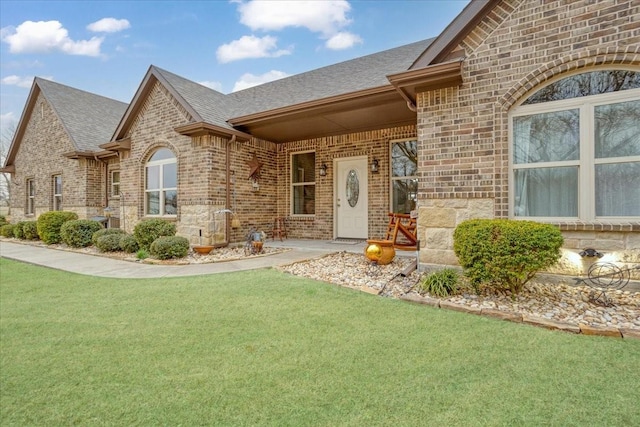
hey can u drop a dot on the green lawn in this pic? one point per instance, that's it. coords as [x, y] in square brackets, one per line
[265, 348]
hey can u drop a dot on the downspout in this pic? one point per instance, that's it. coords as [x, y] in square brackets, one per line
[228, 189]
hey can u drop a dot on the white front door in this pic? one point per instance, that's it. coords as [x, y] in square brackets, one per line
[352, 200]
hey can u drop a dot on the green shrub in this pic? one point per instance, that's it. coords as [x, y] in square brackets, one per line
[128, 243]
[148, 230]
[30, 230]
[104, 232]
[3, 220]
[18, 232]
[440, 283]
[169, 247]
[142, 254]
[78, 232]
[109, 243]
[505, 253]
[7, 230]
[49, 224]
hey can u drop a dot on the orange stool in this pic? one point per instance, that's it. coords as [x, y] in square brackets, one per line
[279, 228]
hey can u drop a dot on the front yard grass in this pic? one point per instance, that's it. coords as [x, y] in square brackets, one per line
[266, 348]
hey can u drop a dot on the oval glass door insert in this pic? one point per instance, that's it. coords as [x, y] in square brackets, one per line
[353, 188]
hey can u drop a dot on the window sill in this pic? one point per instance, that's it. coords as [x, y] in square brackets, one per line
[596, 226]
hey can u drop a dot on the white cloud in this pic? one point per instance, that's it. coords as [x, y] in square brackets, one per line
[8, 120]
[14, 80]
[250, 47]
[249, 80]
[48, 36]
[212, 85]
[343, 40]
[109, 25]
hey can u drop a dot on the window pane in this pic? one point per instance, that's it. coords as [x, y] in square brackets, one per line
[170, 175]
[546, 192]
[617, 129]
[547, 137]
[170, 202]
[592, 83]
[162, 154]
[304, 197]
[57, 203]
[153, 178]
[618, 189]
[303, 167]
[153, 203]
[57, 184]
[404, 158]
[404, 195]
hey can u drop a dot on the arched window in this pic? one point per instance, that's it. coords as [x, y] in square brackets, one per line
[576, 149]
[161, 184]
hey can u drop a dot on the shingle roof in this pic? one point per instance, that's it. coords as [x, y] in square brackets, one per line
[350, 76]
[89, 119]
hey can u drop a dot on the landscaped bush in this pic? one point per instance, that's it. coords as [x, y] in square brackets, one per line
[49, 224]
[169, 247]
[77, 233]
[109, 243]
[7, 230]
[505, 253]
[147, 231]
[105, 232]
[128, 243]
[440, 283]
[30, 230]
[3, 220]
[17, 230]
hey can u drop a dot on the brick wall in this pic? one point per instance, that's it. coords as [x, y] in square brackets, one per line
[40, 157]
[463, 131]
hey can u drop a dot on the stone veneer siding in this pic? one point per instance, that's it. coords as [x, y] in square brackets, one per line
[463, 131]
[40, 157]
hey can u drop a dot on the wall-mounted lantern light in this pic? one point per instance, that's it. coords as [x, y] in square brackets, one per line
[323, 170]
[375, 166]
[590, 252]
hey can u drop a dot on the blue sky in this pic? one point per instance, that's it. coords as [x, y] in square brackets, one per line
[106, 47]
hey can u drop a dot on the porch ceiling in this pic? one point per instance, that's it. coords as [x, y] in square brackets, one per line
[382, 109]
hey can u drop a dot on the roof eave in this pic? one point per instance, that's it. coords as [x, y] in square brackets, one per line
[75, 155]
[119, 145]
[203, 128]
[279, 113]
[409, 83]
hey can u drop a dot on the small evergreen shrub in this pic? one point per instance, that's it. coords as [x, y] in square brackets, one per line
[109, 243]
[30, 230]
[148, 230]
[440, 283]
[18, 232]
[128, 243]
[167, 247]
[3, 220]
[504, 253]
[104, 232]
[7, 230]
[78, 233]
[142, 254]
[49, 224]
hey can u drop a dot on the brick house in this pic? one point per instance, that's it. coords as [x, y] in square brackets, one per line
[519, 109]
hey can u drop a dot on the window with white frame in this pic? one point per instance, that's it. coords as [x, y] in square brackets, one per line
[115, 184]
[404, 179]
[303, 183]
[31, 197]
[56, 201]
[161, 184]
[576, 149]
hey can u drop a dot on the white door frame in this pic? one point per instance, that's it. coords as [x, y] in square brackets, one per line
[364, 192]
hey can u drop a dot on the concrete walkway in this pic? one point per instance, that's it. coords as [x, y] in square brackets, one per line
[92, 265]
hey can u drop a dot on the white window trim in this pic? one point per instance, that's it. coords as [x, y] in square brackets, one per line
[297, 184]
[161, 189]
[398, 178]
[113, 194]
[586, 163]
[53, 200]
